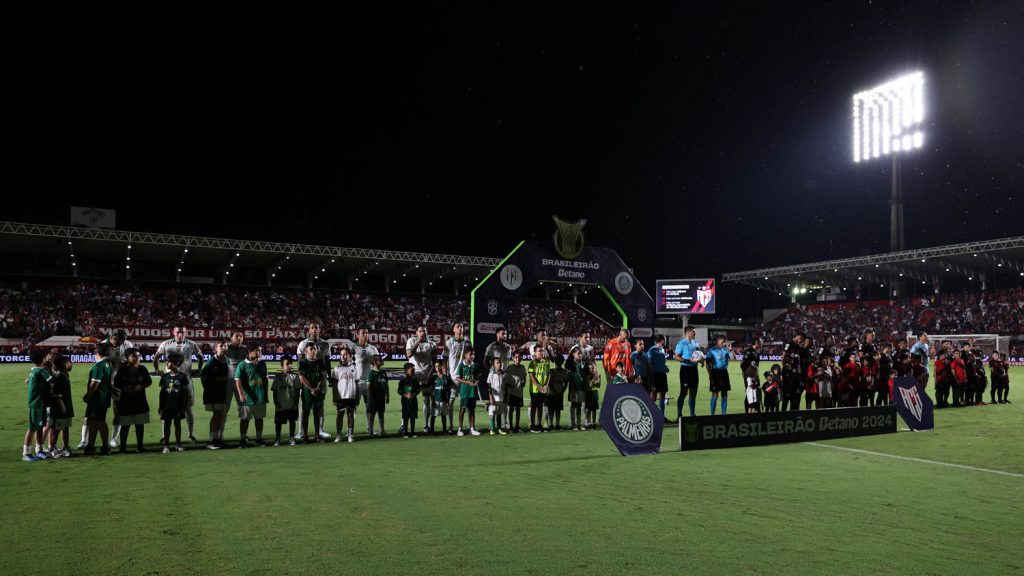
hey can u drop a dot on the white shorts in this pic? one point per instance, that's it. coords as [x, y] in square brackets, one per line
[752, 395]
[825, 388]
[134, 420]
[216, 407]
[258, 411]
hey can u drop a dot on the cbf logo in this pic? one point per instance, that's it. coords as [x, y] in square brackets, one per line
[624, 283]
[641, 315]
[692, 431]
[568, 238]
[704, 296]
[511, 277]
[912, 401]
[633, 420]
[492, 307]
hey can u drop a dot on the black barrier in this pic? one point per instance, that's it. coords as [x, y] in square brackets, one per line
[709, 432]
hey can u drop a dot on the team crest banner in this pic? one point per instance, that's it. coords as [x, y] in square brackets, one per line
[631, 420]
[913, 403]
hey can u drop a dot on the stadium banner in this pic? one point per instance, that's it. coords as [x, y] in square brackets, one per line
[566, 260]
[631, 420]
[393, 337]
[913, 403]
[732, 431]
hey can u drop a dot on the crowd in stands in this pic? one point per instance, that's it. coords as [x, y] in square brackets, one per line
[37, 310]
[982, 312]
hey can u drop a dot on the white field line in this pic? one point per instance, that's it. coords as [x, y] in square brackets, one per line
[949, 464]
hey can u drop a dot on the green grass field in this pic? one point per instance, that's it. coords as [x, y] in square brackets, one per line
[556, 503]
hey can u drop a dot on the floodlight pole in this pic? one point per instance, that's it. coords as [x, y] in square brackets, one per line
[896, 240]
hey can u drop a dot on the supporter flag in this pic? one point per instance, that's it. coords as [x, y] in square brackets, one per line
[632, 420]
[913, 403]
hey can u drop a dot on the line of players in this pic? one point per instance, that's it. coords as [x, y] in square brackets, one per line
[236, 373]
[864, 373]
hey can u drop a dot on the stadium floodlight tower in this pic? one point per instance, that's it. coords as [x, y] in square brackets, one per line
[888, 120]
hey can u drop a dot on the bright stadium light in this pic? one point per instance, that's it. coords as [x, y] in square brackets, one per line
[889, 118]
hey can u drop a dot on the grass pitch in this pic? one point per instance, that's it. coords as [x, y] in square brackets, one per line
[556, 503]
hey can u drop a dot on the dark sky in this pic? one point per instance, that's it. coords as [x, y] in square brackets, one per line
[697, 139]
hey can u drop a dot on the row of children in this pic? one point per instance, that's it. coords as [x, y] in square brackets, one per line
[51, 405]
[864, 376]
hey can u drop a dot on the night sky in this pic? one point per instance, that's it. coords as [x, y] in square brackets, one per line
[697, 139]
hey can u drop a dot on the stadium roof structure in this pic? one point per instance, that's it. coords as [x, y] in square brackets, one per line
[67, 250]
[971, 260]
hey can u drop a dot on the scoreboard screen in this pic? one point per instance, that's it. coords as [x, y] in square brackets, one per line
[693, 296]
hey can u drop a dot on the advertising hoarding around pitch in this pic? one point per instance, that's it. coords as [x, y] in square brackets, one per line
[691, 296]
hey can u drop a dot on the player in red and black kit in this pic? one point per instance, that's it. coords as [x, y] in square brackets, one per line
[976, 382]
[885, 368]
[1000, 378]
[902, 362]
[917, 369]
[792, 370]
[850, 382]
[811, 390]
[867, 382]
[772, 388]
[959, 378]
[943, 375]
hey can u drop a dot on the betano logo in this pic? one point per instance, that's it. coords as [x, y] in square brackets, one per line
[568, 238]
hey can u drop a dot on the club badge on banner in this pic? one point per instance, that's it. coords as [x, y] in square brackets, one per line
[913, 404]
[632, 420]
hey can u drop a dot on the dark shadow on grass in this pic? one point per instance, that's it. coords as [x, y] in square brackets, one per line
[547, 460]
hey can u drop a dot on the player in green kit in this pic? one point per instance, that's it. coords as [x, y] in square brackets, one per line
[62, 409]
[38, 387]
[557, 384]
[465, 377]
[441, 387]
[132, 379]
[251, 386]
[408, 388]
[323, 355]
[313, 375]
[377, 396]
[174, 400]
[515, 381]
[286, 388]
[215, 377]
[97, 400]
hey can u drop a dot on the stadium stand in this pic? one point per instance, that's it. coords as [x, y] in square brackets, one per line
[986, 311]
[31, 311]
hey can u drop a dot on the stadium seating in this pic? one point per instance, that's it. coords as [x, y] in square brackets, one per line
[34, 310]
[988, 312]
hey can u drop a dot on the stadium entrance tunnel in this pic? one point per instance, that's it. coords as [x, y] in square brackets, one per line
[531, 264]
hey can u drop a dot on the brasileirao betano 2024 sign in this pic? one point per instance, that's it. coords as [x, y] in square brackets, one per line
[706, 432]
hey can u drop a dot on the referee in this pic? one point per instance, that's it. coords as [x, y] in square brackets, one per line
[688, 375]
